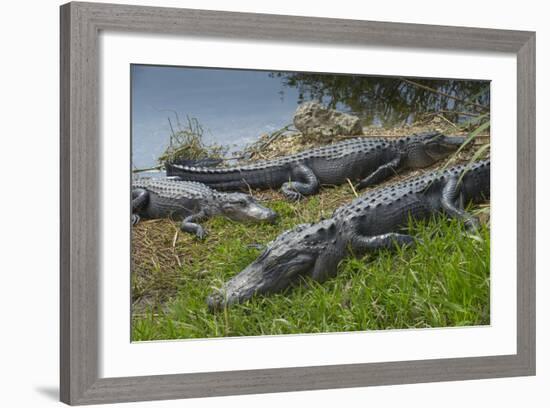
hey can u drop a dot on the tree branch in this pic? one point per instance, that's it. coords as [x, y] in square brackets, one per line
[477, 105]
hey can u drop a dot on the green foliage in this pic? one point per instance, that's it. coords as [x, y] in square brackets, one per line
[481, 151]
[442, 282]
[187, 143]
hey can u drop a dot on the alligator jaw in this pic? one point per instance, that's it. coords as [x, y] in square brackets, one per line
[443, 147]
[454, 142]
[292, 254]
[254, 213]
[259, 213]
[242, 208]
[271, 272]
[241, 287]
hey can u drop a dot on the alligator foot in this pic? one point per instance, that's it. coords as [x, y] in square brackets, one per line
[135, 219]
[453, 205]
[188, 225]
[201, 233]
[308, 184]
[195, 229]
[472, 224]
[292, 195]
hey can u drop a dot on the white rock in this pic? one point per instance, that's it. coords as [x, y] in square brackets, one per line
[313, 119]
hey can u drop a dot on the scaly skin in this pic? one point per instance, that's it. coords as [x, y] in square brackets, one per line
[191, 202]
[366, 160]
[372, 221]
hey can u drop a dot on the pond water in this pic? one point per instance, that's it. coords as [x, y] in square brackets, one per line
[235, 107]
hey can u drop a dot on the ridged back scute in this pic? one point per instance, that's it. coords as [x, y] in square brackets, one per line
[386, 195]
[174, 188]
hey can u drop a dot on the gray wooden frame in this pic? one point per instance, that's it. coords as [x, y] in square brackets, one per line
[80, 26]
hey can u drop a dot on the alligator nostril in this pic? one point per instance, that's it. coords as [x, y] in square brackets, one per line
[272, 217]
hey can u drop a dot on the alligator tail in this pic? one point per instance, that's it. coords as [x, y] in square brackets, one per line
[220, 178]
[208, 162]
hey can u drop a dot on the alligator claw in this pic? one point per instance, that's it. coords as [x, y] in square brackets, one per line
[293, 195]
[135, 219]
[472, 224]
[201, 233]
[414, 242]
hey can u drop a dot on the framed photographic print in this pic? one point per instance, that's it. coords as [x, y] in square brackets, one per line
[261, 203]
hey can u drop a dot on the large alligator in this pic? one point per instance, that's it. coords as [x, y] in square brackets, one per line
[372, 221]
[192, 202]
[367, 160]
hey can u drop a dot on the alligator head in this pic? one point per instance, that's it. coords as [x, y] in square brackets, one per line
[307, 250]
[425, 149]
[242, 207]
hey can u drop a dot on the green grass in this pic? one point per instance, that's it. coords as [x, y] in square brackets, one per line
[444, 281]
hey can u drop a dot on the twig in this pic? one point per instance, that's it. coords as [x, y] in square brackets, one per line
[249, 188]
[352, 188]
[275, 135]
[177, 259]
[256, 148]
[173, 133]
[477, 105]
[447, 120]
[461, 113]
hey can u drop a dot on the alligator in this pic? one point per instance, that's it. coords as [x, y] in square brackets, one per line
[366, 160]
[192, 202]
[375, 220]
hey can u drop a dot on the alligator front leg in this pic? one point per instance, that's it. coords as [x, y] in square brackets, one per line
[308, 184]
[189, 224]
[451, 202]
[380, 174]
[326, 265]
[140, 196]
[363, 244]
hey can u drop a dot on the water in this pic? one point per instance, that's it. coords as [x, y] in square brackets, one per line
[235, 107]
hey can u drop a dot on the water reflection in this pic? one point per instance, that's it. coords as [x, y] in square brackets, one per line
[388, 102]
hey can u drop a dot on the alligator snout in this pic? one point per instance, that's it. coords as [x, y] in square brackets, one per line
[290, 256]
[258, 213]
[216, 302]
[238, 289]
[454, 141]
[271, 272]
[435, 147]
[243, 208]
[270, 216]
